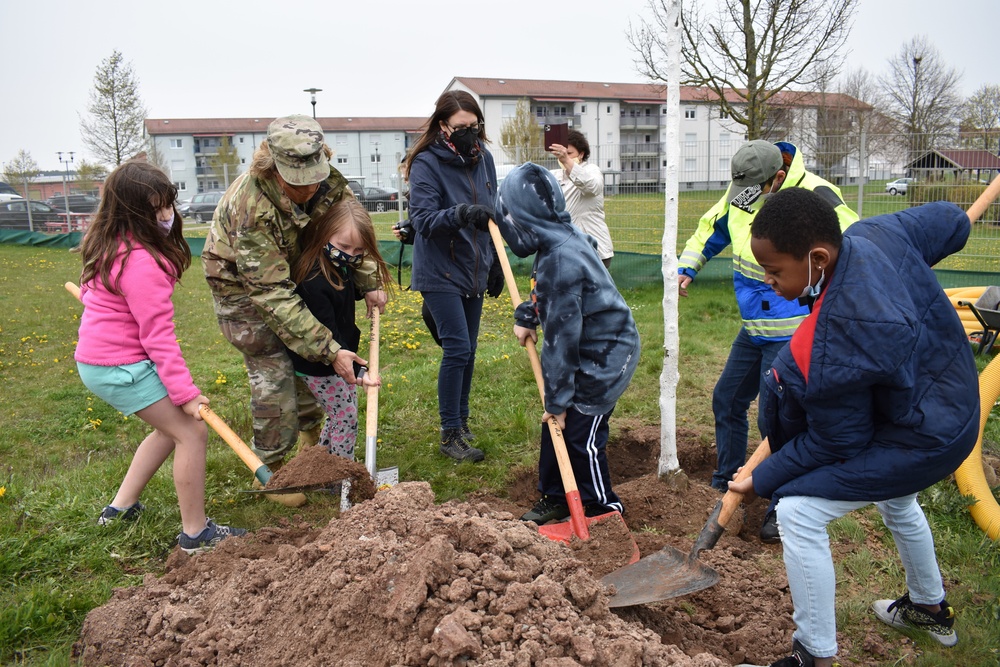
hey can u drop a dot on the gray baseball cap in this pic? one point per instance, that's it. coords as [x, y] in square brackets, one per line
[755, 163]
[296, 142]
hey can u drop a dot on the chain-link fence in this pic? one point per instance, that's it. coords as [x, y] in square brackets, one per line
[876, 174]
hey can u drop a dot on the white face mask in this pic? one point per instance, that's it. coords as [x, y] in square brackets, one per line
[166, 225]
[810, 291]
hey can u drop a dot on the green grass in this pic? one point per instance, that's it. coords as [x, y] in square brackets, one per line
[63, 451]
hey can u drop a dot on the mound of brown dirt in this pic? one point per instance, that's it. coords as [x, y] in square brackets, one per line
[396, 581]
[316, 467]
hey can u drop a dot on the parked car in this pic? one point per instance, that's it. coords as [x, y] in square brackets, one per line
[77, 203]
[899, 185]
[202, 206]
[382, 199]
[14, 214]
[7, 196]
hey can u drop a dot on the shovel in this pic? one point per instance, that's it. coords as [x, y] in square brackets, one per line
[669, 573]
[385, 477]
[579, 523]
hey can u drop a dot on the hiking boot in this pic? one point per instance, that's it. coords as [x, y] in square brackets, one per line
[905, 615]
[769, 529]
[207, 538]
[455, 446]
[800, 657]
[111, 514]
[545, 510]
[467, 433]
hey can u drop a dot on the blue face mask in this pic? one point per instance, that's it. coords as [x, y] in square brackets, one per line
[340, 258]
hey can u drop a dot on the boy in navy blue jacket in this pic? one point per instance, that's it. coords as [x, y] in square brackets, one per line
[875, 398]
[591, 345]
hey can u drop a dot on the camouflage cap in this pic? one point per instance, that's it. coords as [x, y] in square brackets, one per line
[296, 142]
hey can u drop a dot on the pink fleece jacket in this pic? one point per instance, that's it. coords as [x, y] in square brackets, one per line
[118, 330]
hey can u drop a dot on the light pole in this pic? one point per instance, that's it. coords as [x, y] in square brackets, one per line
[917, 141]
[67, 162]
[378, 182]
[312, 93]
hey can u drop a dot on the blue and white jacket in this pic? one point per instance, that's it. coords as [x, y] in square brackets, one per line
[877, 394]
[590, 349]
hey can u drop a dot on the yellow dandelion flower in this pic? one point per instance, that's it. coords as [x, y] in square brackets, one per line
[3, 490]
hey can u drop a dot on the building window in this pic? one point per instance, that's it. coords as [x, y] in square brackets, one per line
[724, 164]
[664, 163]
[375, 138]
[724, 140]
[341, 160]
[663, 111]
[176, 165]
[690, 139]
[559, 111]
[243, 160]
[690, 164]
[540, 112]
[689, 113]
[176, 143]
[181, 186]
[341, 139]
[609, 108]
[583, 108]
[648, 137]
[376, 157]
[241, 140]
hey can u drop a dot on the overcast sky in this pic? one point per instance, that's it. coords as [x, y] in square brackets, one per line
[218, 58]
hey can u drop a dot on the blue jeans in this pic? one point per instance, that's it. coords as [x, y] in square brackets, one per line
[802, 522]
[741, 381]
[457, 319]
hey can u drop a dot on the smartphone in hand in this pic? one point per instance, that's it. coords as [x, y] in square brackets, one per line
[556, 133]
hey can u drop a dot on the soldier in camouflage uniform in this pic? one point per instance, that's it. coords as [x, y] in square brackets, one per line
[252, 244]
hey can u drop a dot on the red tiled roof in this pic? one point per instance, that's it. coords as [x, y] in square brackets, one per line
[971, 158]
[225, 126]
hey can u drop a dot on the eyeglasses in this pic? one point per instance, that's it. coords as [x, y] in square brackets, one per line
[460, 132]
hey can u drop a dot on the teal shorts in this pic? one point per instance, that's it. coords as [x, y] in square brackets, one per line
[127, 388]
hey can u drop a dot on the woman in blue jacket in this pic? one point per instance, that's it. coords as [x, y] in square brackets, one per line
[452, 186]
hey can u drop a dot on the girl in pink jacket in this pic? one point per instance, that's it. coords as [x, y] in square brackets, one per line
[127, 354]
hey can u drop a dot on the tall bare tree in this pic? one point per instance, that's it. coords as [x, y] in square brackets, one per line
[922, 94]
[521, 134]
[113, 129]
[155, 156]
[21, 171]
[981, 117]
[745, 51]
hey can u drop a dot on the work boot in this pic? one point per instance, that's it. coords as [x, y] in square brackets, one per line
[769, 529]
[467, 433]
[455, 446]
[310, 437]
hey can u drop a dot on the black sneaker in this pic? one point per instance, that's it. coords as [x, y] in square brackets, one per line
[597, 510]
[467, 433]
[545, 510]
[769, 529]
[905, 615]
[800, 657]
[111, 514]
[208, 538]
[455, 446]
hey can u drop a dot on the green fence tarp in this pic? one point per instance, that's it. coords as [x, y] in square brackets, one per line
[629, 269]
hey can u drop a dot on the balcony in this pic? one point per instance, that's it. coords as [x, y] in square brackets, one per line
[573, 120]
[641, 148]
[650, 122]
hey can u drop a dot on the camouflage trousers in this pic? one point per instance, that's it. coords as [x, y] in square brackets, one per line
[281, 403]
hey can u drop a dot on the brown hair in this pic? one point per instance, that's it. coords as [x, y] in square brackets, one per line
[133, 193]
[262, 163]
[446, 106]
[316, 235]
[576, 139]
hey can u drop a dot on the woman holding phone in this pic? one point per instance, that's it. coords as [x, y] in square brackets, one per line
[452, 187]
[583, 188]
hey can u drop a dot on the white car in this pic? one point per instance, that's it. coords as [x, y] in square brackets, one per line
[6, 196]
[899, 185]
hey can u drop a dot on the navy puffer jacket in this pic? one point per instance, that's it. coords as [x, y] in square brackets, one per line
[446, 256]
[876, 395]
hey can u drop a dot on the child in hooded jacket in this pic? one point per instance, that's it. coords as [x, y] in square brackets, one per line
[127, 352]
[591, 344]
[333, 247]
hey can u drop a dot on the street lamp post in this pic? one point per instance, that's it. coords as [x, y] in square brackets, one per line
[378, 182]
[312, 93]
[917, 140]
[67, 162]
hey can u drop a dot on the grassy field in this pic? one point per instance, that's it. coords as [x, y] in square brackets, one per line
[63, 451]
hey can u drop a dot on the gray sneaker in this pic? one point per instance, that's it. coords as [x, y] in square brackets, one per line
[455, 446]
[905, 615]
[208, 538]
[111, 514]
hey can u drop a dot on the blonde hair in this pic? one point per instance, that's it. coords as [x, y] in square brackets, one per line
[262, 163]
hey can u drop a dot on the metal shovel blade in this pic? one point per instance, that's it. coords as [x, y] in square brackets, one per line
[666, 574]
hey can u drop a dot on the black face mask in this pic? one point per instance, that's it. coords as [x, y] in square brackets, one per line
[464, 140]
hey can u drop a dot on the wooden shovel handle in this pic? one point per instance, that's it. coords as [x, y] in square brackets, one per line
[236, 444]
[371, 407]
[979, 207]
[73, 289]
[732, 500]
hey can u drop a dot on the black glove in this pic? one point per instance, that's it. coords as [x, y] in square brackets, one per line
[495, 279]
[476, 215]
[405, 229]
